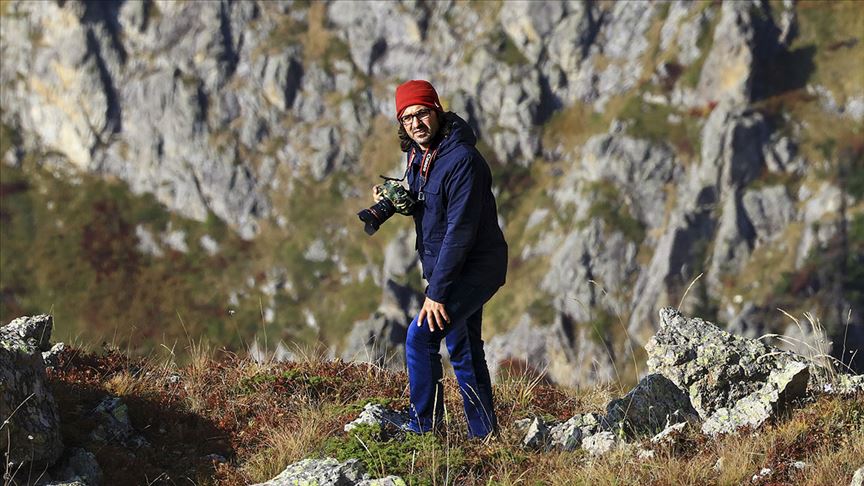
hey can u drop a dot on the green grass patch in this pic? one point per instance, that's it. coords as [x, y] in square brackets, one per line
[288, 381]
[421, 459]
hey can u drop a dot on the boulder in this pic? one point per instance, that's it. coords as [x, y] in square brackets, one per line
[31, 429]
[717, 369]
[655, 403]
[329, 472]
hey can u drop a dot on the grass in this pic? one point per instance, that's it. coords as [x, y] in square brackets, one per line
[290, 411]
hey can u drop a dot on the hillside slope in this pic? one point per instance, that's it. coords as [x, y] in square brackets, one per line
[195, 167]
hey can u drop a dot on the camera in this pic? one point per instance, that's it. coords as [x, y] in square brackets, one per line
[395, 199]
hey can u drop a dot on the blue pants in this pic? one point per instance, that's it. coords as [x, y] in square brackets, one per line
[465, 308]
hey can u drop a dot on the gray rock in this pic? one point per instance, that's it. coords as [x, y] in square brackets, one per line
[718, 369]
[600, 443]
[846, 384]
[386, 481]
[50, 357]
[621, 40]
[781, 155]
[31, 426]
[536, 434]
[670, 434]
[321, 472]
[645, 454]
[385, 418]
[739, 39]
[558, 351]
[782, 386]
[529, 23]
[329, 472]
[855, 108]
[114, 425]
[655, 403]
[175, 239]
[770, 210]
[380, 339]
[31, 333]
[822, 202]
[858, 477]
[568, 435]
[210, 245]
[317, 251]
[568, 44]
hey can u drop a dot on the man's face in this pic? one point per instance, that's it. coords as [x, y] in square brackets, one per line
[421, 124]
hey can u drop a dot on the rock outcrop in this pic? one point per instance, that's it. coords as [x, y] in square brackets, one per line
[718, 369]
[699, 374]
[31, 426]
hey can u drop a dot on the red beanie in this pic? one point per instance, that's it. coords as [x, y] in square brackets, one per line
[416, 92]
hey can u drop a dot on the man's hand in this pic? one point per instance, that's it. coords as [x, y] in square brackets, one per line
[376, 193]
[434, 313]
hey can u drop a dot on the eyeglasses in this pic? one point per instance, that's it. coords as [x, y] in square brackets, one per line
[423, 114]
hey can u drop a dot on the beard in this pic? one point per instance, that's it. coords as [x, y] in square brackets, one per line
[422, 135]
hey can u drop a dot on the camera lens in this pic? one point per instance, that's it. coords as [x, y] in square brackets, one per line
[376, 215]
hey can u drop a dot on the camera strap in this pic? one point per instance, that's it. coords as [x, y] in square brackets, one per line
[425, 168]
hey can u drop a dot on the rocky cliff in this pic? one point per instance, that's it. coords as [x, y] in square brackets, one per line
[642, 152]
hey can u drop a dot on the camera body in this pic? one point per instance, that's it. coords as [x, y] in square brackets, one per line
[394, 199]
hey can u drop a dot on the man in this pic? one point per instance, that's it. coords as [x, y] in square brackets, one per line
[463, 254]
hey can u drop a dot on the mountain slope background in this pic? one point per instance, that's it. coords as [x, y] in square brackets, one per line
[178, 170]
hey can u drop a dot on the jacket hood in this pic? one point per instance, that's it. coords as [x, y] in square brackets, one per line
[459, 133]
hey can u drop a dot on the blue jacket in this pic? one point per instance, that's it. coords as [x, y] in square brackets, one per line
[457, 222]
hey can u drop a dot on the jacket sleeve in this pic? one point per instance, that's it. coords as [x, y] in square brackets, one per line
[464, 190]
